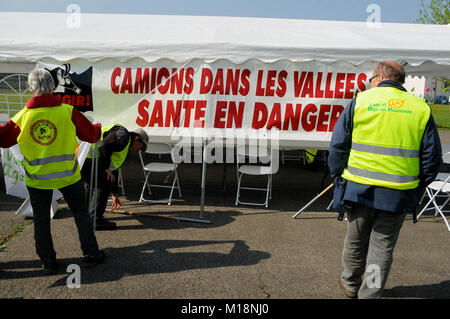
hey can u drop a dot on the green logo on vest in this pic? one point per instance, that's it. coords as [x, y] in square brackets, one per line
[43, 132]
[393, 105]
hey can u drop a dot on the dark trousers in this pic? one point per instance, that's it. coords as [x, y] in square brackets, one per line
[41, 200]
[103, 188]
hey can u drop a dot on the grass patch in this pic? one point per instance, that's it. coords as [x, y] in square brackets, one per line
[441, 115]
[16, 231]
[9, 100]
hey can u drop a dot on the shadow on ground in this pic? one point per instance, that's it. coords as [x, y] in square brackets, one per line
[433, 291]
[160, 256]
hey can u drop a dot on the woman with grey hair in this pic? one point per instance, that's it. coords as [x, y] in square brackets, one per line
[41, 82]
[47, 132]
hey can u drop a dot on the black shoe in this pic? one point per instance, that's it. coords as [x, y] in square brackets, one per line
[50, 266]
[92, 261]
[103, 224]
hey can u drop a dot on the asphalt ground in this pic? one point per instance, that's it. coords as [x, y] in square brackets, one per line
[243, 253]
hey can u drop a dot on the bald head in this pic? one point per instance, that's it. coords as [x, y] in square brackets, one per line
[391, 70]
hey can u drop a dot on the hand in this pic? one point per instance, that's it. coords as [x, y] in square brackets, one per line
[116, 201]
[110, 176]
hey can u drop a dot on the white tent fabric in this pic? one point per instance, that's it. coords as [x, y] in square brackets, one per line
[29, 37]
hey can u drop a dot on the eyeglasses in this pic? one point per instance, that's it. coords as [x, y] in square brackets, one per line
[373, 77]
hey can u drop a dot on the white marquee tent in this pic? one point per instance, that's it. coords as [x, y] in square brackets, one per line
[29, 37]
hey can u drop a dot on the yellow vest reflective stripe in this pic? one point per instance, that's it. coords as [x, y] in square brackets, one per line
[48, 143]
[117, 158]
[388, 126]
[52, 176]
[362, 175]
[384, 150]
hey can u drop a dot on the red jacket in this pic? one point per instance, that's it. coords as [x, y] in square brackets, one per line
[85, 130]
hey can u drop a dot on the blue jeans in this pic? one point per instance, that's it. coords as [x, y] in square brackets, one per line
[368, 248]
[41, 200]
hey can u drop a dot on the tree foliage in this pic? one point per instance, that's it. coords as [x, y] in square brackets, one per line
[435, 12]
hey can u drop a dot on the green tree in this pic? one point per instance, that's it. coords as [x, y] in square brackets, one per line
[435, 12]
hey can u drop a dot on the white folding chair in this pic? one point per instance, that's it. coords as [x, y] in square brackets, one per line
[254, 169]
[159, 167]
[440, 176]
[433, 190]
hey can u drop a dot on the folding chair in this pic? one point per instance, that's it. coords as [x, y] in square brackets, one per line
[433, 190]
[159, 167]
[293, 154]
[254, 170]
[440, 176]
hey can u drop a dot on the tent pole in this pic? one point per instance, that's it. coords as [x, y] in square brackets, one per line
[202, 197]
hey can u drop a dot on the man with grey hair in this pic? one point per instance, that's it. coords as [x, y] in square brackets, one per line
[384, 150]
[115, 144]
[47, 132]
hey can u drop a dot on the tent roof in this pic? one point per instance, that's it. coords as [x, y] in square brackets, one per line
[28, 37]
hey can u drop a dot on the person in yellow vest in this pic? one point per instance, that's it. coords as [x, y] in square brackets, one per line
[310, 156]
[311, 159]
[384, 150]
[47, 132]
[115, 144]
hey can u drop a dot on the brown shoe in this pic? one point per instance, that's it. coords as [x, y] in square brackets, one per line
[347, 292]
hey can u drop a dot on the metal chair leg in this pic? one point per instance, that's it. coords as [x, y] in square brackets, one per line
[178, 183]
[238, 189]
[141, 198]
[171, 190]
[268, 191]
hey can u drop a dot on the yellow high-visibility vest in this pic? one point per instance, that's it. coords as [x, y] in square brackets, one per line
[117, 158]
[48, 143]
[388, 126]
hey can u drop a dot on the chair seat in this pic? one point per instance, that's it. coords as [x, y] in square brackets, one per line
[255, 170]
[442, 176]
[160, 167]
[436, 185]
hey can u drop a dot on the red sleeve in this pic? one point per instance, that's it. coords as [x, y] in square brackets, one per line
[9, 134]
[86, 131]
